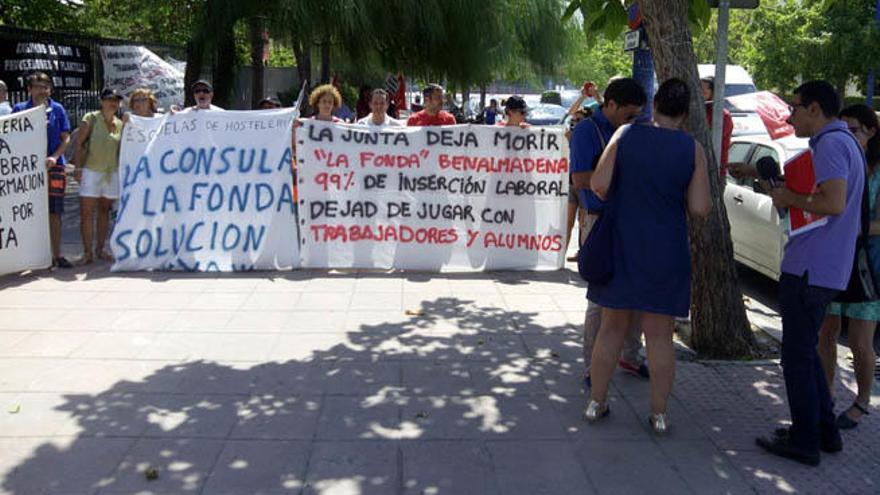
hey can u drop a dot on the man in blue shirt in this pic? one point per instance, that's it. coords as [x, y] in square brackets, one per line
[816, 266]
[623, 102]
[58, 133]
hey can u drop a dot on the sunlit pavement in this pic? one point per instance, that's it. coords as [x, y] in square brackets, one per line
[357, 383]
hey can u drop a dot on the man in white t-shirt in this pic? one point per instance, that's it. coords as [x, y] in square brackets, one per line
[203, 93]
[379, 117]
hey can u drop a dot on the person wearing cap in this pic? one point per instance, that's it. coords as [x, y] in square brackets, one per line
[515, 112]
[269, 103]
[203, 93]
[378, 117]
[433, 114]
[39, 86]
[708, 84]
[97, 171]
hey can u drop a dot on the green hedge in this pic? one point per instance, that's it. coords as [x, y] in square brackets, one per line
[551, 97]
[853, 100]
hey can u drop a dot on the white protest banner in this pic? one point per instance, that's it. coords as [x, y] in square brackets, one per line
[128, 67]
[207, 191]
[435, 198]
[24, 199]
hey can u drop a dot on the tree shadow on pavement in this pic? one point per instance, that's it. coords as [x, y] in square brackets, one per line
[391, 407]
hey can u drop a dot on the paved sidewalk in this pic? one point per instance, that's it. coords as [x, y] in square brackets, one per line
[309, 382]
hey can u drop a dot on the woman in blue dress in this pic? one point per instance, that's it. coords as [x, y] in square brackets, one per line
[652, 176]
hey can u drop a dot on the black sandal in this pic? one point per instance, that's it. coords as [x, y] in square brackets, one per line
[844, 422]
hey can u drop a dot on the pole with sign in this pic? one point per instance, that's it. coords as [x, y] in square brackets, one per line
[643, 62]
[724, 7]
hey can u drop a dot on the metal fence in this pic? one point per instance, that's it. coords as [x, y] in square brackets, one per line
[78, 102]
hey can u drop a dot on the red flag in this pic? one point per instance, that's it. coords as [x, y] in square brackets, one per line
[400, 97]
[772, 109]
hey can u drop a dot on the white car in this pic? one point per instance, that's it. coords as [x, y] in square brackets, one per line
[758, 234]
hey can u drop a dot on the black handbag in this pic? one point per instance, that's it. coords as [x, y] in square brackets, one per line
[862, 285]
[596, 257]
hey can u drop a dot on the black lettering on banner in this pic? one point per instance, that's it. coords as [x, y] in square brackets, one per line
[375, 181]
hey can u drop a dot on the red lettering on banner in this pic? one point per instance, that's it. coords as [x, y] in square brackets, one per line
[387, 160]
[463, 163]
[529, 242]
[384, 233]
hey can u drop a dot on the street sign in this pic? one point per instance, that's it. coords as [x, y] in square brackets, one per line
[631, 41]
[737, 4]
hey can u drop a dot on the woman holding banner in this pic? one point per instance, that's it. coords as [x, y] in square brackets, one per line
[326, 100]
[142, 103]
[97, 167]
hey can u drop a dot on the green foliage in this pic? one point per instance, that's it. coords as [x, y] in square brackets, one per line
[608, 18]
[786, 41]
[598, 61]
[47, 15]
[551, 97]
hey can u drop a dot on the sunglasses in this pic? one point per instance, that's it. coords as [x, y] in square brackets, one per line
[139, 99]
[201, 90]
[792, 107]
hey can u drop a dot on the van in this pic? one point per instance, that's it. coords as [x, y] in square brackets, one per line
[737, 80]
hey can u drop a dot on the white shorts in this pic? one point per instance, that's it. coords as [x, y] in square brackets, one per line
[94, 185]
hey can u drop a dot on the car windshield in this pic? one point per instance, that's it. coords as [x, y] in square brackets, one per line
[547, 112]
[739, 89]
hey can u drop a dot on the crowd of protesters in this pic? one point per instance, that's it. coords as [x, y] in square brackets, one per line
[634, 183]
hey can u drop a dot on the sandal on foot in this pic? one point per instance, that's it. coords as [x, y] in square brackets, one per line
[659, 423]
[596, 411]
[845, 422]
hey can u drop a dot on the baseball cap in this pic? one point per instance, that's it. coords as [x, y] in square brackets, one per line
[110, 93]
[272, 100]
[202, 82]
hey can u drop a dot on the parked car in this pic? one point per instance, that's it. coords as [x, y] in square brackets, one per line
[737, 80]
[545, 114]
[758, 233]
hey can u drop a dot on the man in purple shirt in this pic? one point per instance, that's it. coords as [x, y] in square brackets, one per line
[816, 266]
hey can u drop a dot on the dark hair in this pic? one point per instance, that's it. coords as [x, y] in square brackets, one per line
[39, 77]
[710, 80]
[673, 98]
[868, 119]
[625, 91]
[430, 89]
[821, 92]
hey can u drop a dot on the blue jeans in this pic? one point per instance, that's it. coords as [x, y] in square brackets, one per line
[809, 400]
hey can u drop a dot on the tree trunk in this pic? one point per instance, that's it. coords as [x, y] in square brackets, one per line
[258, 73]
[303, 53]
[720, 326]
[194, 57]
[482, 96]
[224, 66]
[325, 60]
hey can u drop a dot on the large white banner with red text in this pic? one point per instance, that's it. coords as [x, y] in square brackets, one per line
[432, 198]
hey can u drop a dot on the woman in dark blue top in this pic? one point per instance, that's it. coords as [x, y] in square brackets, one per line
[659, 176]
